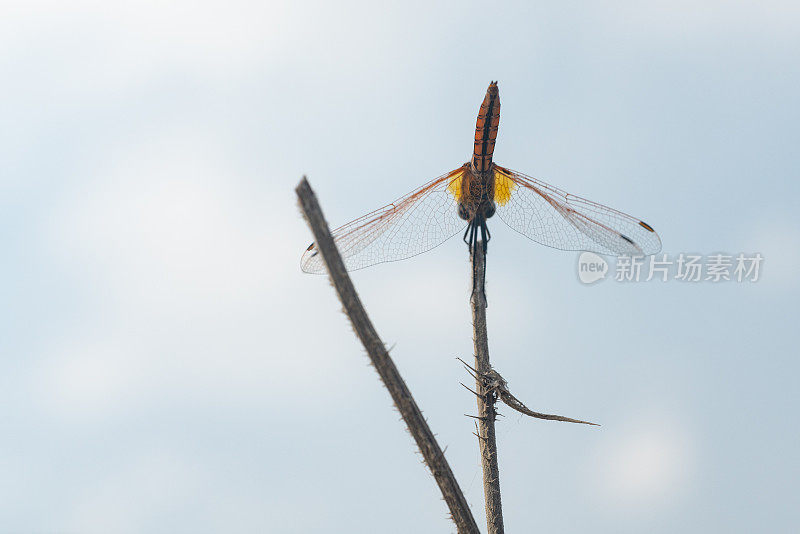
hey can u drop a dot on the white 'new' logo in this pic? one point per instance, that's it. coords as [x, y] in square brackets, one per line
[591, 267]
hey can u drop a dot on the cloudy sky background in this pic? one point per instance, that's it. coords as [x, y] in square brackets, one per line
[167, 367]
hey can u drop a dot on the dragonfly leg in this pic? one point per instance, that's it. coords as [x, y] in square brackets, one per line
[477, 246]
[467, 231]
[473, 249]
[473, 235]
[485, 236]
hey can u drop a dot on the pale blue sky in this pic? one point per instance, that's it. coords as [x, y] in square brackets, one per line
[166, 367]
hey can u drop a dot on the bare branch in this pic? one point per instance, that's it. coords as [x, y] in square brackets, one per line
[515, 403]
[417, 426]
[486, 398]
[495, 383]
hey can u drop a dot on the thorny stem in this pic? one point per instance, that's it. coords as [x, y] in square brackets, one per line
[376, 350]
[486, 397]
[517, 405]
[495, 383]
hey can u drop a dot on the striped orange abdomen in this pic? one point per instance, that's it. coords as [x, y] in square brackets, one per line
[486, 129]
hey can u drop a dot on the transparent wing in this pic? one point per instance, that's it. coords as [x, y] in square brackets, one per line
[560, 220]
[411, 225]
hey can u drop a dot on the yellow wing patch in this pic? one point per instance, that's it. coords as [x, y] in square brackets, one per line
[455, 185]
[503, 187]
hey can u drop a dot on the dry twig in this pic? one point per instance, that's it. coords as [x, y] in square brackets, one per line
[376, 350]
[495, 383]
[486, 397]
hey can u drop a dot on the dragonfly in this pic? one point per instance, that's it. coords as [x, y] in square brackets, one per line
[466, 197]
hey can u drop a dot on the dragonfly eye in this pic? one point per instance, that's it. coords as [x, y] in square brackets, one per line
[490, 209]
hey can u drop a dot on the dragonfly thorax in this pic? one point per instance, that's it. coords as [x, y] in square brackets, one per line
[476, 198]
[469, 212]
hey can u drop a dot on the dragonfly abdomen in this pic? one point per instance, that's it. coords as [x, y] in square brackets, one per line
[486, 129]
